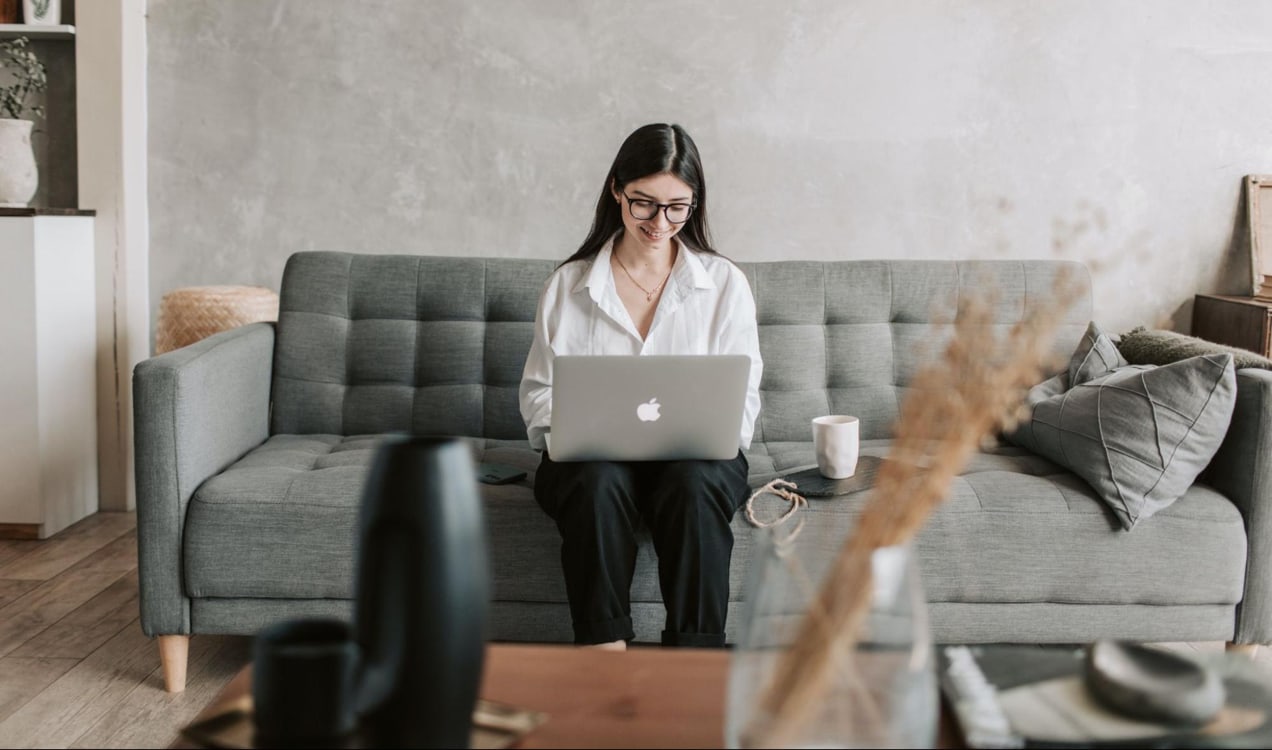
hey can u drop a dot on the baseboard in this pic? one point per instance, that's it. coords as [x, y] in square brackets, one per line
[19, 531]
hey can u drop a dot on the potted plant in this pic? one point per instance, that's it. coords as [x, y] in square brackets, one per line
[21, 75]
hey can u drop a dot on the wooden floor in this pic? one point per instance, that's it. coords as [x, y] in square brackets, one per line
[75, 668]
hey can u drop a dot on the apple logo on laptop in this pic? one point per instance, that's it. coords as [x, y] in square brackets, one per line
[648, 411]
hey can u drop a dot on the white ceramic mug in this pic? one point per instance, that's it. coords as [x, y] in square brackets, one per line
[836, 441]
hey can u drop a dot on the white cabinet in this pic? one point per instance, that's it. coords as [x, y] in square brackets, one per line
[48, 382]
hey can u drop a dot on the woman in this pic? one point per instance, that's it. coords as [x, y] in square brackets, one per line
[646, 280]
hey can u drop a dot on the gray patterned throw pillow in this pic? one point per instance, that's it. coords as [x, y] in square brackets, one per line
[1138, 434]
[1096, 355]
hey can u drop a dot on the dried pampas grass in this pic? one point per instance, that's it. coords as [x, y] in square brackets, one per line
[972, 389]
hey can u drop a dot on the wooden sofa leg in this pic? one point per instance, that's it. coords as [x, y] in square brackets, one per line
[1245, 649]
[174, 650]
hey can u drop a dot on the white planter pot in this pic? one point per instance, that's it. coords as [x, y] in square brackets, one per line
[42, 12]
[18, 176]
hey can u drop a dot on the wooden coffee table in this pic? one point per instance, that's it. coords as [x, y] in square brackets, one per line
[644, 697]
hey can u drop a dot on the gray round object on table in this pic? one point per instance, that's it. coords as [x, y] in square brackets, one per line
[1147, 683]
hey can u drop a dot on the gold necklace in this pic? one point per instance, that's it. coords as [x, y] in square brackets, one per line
[649, 293]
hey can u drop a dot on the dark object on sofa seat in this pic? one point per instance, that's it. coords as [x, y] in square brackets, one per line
[423, 590]
[811, 483]
[488, 473]
[1143, 346]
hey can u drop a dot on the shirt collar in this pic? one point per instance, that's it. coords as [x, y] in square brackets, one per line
[598, 275]
[688, 272]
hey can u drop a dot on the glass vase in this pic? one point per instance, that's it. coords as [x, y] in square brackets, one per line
[880, 691]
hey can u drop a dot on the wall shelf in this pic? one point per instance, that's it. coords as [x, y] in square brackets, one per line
[12, 30]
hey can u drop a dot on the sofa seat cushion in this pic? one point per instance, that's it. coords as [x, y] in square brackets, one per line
[281, 522]
[1002, 536]
[1014, 537]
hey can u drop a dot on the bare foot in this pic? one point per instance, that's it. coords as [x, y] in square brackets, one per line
[611, 646]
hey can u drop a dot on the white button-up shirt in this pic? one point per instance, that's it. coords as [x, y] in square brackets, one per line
[706, 308]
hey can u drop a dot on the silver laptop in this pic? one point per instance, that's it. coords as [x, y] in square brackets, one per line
[647, 408]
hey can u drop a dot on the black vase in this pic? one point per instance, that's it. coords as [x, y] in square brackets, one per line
[423, 591]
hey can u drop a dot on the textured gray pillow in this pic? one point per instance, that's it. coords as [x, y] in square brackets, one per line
[1095, 355]
[1139, 434]
[1143, 346]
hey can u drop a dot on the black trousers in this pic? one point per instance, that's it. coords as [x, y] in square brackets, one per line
[687, 505]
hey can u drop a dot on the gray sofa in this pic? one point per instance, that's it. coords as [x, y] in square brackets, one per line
[252, 446]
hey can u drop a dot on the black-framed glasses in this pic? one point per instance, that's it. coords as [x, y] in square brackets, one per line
[643, 210]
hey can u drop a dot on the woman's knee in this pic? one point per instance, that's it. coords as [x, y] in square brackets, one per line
[692, 474]
[691, 495]
[714, 480]
[591, 488]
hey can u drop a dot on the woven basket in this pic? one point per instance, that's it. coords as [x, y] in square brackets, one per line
[192, 313]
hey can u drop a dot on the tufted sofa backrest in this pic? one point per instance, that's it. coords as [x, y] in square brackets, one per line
[384, 343]
[387, 343]
[847, 337]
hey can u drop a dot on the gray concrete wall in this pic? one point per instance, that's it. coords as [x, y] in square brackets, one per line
[1112, 131]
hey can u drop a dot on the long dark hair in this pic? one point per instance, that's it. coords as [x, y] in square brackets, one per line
[650, 150]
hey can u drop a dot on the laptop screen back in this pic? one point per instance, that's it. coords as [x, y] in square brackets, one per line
[647, 408]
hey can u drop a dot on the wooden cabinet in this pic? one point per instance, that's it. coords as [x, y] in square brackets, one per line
[48, 371]
[1243, 322]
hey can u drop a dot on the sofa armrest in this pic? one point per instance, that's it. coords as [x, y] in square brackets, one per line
[1242, 470]
[195, 411]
